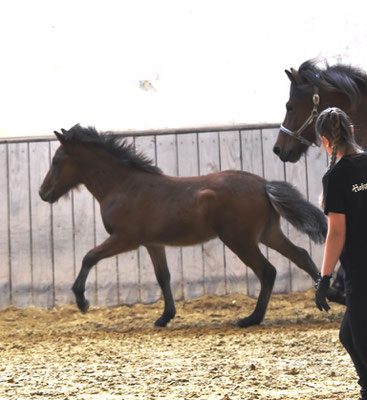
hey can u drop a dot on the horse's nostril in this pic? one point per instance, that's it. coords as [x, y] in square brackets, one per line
[277, 150]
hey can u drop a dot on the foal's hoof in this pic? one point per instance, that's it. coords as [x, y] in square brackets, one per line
[160, 323]
[163, 320]
[246, 322]
[83, 306]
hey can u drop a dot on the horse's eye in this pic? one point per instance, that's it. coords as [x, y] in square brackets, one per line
[289, 108]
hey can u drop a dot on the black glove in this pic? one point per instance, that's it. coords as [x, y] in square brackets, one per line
[322, 286]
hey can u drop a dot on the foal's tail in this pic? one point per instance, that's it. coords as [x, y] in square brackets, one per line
[291, 205]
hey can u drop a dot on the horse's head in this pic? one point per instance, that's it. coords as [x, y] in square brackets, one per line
[312, 90]
[63, 174]
[297, 131]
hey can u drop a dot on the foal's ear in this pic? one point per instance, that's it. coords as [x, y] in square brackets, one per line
[60, 137]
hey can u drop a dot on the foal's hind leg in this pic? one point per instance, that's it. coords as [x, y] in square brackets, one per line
[276, 240]
[264, 270]
[158, 256]
[110, 247]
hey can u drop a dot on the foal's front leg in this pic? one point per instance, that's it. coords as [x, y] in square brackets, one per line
[158, 256]
[110, 247]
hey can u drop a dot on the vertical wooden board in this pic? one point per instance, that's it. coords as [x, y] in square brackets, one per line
[42, 258]
[188, 157]
[316, 167]
[84, 236]
[167, 161]
[251, 152]
[106, 269]
[4, 230]
[230, 150]
[20, 243]
[150, 290]
[128, 272]
[252, 161]
[63, 245]
[230, 158]
[128, 278]
[214, 274]
[274, 170]
[296, 174]
[192, 256]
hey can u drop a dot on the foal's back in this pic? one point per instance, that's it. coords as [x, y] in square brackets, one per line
[186, 211]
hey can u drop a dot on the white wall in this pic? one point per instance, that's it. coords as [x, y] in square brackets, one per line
[209, 62]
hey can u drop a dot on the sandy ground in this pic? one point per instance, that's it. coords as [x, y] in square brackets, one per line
[115, 353]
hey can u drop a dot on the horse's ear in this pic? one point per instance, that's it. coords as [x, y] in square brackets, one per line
[64, 131]
[293, 76]
[60, 137]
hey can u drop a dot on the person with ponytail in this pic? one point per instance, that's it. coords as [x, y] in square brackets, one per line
[345, 204]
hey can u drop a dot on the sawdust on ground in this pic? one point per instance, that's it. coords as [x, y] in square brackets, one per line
[116, 353]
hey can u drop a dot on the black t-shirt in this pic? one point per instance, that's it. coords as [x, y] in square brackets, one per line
[345, 192]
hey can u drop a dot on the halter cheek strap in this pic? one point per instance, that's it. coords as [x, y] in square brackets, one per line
[314, 113]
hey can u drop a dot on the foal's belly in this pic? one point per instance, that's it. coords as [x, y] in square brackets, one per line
[176, 234]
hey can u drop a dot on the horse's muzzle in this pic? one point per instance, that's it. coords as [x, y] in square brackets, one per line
[286, 156]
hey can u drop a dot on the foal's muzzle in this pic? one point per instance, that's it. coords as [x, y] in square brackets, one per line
[47, 195]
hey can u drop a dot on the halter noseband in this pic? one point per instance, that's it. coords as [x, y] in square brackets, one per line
[309, 120]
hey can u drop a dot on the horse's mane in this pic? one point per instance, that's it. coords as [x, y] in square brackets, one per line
[346, 79]
[113, 144]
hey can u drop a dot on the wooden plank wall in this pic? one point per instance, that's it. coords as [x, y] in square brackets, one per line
[41, 246]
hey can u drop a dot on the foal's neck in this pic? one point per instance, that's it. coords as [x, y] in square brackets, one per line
[101, 172]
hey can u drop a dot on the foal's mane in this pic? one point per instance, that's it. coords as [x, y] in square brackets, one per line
[114, 144]
[345, 79]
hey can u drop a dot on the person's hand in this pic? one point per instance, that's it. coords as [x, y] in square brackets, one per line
[321, 287]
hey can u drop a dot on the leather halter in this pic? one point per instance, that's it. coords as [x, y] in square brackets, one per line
[309, 120]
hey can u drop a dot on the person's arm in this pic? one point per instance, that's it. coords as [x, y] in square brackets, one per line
[333, 247]
[334, 242]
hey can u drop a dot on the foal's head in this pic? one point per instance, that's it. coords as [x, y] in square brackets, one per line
[80, 149]
[62, 175]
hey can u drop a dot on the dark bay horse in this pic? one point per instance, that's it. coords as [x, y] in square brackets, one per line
[312, 90]
[140, 206]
